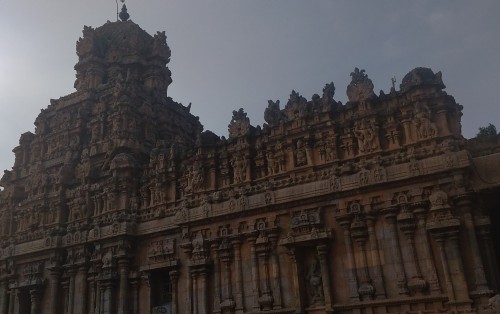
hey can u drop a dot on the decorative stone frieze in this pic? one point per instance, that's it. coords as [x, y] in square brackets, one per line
[119, 202]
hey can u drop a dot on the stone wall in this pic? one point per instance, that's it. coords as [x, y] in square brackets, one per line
[119, 203]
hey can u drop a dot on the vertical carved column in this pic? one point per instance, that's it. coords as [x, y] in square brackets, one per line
[255, 274]
[194, 282]
[406, 122]
[325, 275]
[107, 298]
[13, 299]
[3, 297]
[490, 256]
[345, 222]
[442, 121]
[35, 300]
[297, 287]
[107, 281]
[443, 227]
[406, 223]
[174, 275]
[55, 275]
[100, 304]
[123, 266]
[262, 247]
[276, 286]
[377, 276]
[92, 292]
[390, 216]
[225, 255]
[457, 272]
[429, 268]
[203, 286]
[359, 233]
[98, 297]
[134, 284]
[144, 281]
[446, 269]
[80, 303]
[189, 293]
[217, 283]
[239, 276]
[464, 204]
[71, 289]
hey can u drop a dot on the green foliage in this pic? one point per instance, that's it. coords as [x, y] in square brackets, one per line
[487, 131]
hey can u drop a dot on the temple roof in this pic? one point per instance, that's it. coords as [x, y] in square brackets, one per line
[123, 49]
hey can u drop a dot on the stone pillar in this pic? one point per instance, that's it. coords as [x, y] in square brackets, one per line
[35, 300]
[174, 275]
[107, 298]
[255, 274]
[239, 276]
[91, 293]
[423, 247]
[80, 300]
[189, 293]
[297, 288]
[491, 259]
[395, 256]
[359, 233]
[217, 283]
[325, 275]
[123, 268]
[144, 283]
[195, 292]
[65, 294]
[377, 272]
[266, 299]
[71, 289]
[442, 121]
[457, 272]
[225, 256]
[203, 290]
[407, 225]
[100, 304]
[3, 296]
[345, 222]
[98, 297]
[134, 284]
[275, 277]
[406, 122]
[464, 205]
[446, 269]
[13, 301]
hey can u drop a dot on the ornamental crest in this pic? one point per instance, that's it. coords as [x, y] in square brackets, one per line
[239, 125]
[361, 87]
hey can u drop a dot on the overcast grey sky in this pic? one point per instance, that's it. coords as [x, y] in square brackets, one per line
[231, 54]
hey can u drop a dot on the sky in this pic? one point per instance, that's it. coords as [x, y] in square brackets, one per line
[231, 54]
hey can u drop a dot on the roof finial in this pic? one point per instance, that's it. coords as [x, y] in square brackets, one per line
[123, 14]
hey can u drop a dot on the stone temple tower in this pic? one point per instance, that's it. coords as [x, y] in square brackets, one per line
[83, 166]
[120, 203]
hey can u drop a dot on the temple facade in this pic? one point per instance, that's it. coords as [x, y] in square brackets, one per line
[119, 202]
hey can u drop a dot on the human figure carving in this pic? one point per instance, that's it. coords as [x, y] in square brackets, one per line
[239, 165]
[314, 283]
[425, 128]
[300, 154]
[366, 133]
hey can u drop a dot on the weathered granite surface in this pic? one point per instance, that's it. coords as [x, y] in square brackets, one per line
[120, 203]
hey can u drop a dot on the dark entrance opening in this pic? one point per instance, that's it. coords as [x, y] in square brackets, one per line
[161, 292]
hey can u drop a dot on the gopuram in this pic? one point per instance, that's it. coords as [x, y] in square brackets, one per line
[121, 203]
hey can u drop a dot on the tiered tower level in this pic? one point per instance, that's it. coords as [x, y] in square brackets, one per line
[120, 203]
